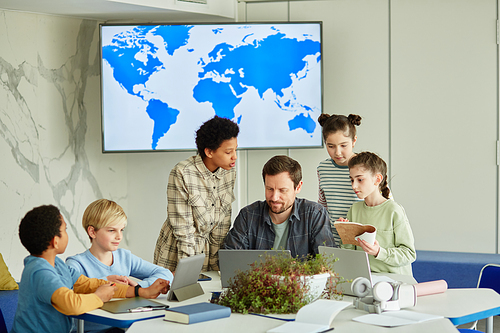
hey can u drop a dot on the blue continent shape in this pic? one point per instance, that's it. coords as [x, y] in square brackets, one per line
[219, 94]
[163, 117]
[174, 36]
[301, 121]
[128, 71]
[120, 55]
[277, 58]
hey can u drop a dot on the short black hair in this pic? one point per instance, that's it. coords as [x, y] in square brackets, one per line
[282, 163]
[38, 227]
[213, 132]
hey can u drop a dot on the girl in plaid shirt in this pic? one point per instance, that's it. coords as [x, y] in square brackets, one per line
[200, 192]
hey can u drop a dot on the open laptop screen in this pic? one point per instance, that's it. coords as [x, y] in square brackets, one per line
[351, 264]
[232, 261]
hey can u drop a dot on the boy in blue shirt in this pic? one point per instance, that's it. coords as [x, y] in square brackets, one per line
[50, 291]
[104, 221]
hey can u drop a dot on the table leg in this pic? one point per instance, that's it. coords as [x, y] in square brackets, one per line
[80, 326]
[489, 325]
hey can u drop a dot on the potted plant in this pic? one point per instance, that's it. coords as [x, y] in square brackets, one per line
[281, 284]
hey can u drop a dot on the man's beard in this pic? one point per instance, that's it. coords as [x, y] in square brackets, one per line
[282, 210]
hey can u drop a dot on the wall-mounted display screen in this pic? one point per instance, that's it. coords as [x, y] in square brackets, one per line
[161, 82]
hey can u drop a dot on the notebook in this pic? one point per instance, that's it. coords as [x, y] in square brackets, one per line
[187, 273]
[351, 264]
[124, 305]
[232, 261]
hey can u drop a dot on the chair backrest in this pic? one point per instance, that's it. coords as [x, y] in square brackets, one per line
[490, 277]
[3, 326]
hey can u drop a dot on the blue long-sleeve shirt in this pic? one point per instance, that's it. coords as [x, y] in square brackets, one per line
[124, 263]
[309, 228]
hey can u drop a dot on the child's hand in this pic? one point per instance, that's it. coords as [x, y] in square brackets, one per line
[131, 282]
[160, 286]
[341, 219]
[118, 279]
[106, 291]
[368, 248]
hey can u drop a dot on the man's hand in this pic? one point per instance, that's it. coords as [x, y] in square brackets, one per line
[160, 286]
[341, 219]
[106, 291]
[368, 248]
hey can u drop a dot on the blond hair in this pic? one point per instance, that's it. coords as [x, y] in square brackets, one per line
[102, 213]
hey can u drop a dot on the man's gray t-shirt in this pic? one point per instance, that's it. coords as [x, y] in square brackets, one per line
[281, 232]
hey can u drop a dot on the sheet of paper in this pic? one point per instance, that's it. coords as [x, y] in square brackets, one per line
[380, 320]
[321, 311]
[395, 318]
[298, 327]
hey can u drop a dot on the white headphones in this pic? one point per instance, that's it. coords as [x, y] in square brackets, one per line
[384, 295]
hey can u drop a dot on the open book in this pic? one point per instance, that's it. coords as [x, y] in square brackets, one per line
[314, 317]
[395, 318]
[349, 232]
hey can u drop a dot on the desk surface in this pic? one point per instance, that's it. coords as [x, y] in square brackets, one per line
[251, 324]
[459, 305]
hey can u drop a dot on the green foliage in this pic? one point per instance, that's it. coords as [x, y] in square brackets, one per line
[275, 285]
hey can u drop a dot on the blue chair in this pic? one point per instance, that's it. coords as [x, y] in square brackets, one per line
[489, 277]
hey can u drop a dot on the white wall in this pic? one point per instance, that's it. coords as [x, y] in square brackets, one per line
[50, 127]
[444, 121]
[421, 73]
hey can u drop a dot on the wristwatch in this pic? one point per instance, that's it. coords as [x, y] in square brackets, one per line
[136, 290]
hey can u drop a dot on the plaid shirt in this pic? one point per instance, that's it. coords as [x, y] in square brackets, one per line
[309, 228]
[198, 213]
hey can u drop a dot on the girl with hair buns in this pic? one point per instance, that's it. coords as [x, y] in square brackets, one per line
[393, 250]
[335, 192]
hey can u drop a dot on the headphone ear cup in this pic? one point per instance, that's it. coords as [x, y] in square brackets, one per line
[361, 287]
[382, 291]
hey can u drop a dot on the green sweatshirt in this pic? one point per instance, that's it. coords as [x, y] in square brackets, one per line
[397, 248]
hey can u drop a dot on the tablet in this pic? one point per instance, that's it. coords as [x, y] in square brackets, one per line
[127, 304]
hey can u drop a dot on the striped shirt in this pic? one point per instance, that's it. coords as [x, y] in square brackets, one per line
[335, 191]
[198, 213]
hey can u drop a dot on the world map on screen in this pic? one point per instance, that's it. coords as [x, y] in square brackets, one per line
[161, 82]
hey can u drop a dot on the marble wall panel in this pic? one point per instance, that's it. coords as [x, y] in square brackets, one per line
[50, 146]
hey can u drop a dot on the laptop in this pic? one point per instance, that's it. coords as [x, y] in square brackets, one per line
[187, 273]
[125, 305]
[232, 261]
[351, 264]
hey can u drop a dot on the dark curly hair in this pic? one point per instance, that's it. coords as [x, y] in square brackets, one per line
[38, 227]
[282, 163]
[336, 122]
[213, 132]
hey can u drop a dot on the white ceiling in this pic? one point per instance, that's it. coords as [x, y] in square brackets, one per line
[128, 10]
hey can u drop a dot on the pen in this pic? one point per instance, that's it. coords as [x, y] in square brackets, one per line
[328, 330]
